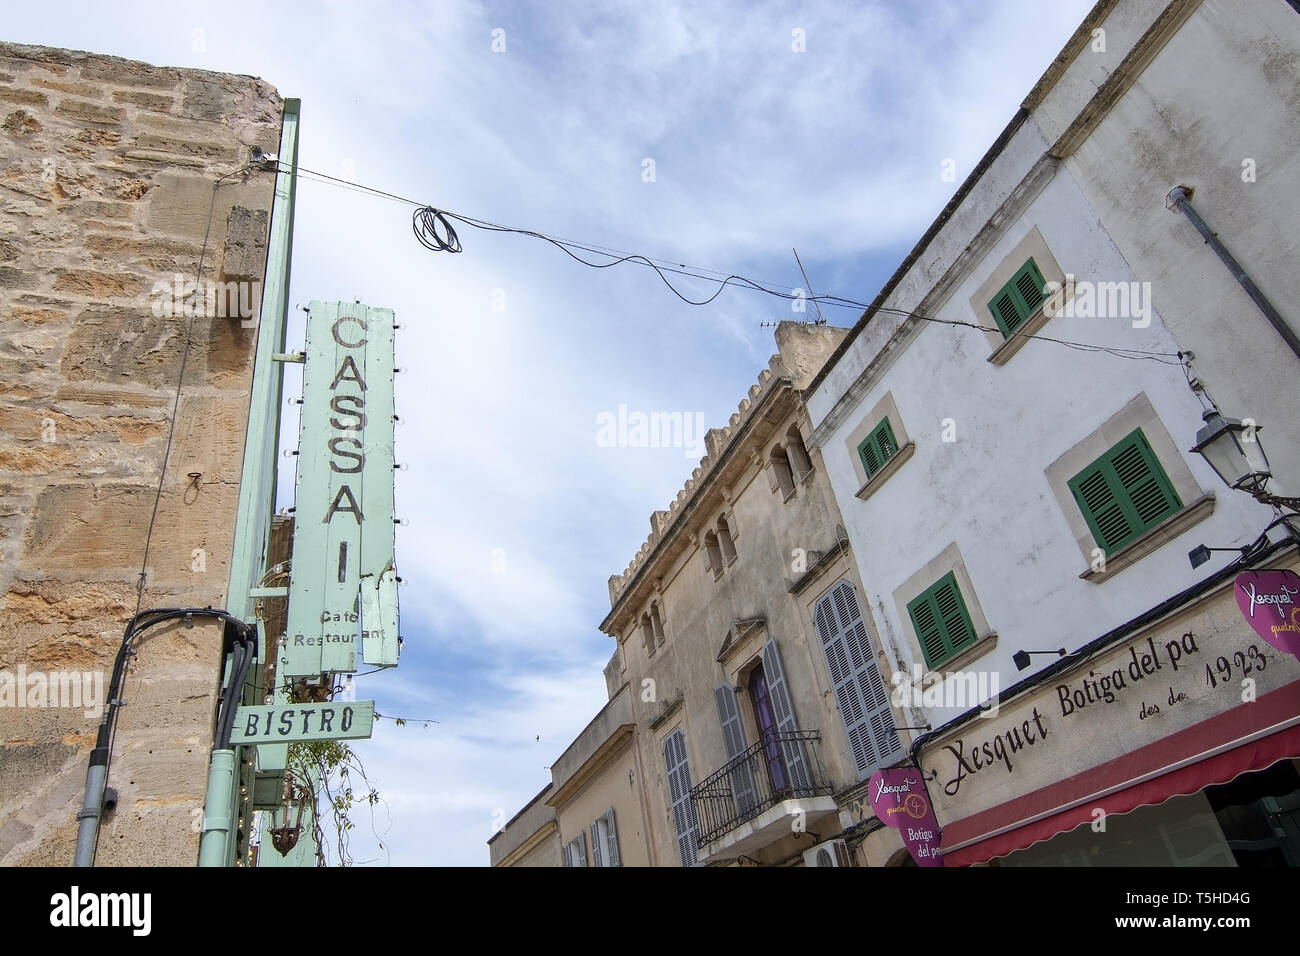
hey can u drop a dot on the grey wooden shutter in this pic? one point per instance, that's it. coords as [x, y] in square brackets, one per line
[795, 762]
[733, 736]
[597, 857]
[859, 689]
[581, 849]
[679, 790]
[611, 850]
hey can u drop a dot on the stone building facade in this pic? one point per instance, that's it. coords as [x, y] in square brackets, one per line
[117, 179]
[747, 706]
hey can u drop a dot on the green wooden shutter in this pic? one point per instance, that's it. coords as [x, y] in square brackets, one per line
[733, 738]
[878, 447]
[1124, 493]
[942, 623]
[1018, 299]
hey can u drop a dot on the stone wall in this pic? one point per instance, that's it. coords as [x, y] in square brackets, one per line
[107, 172]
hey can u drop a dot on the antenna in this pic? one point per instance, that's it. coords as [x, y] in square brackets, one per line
[821, 319]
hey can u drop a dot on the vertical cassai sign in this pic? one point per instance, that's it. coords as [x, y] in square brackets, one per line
[342, 584]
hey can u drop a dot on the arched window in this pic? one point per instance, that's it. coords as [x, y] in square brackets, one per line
[724, 540]
[797, 451]
[712, 553]
[656, 623]
[647, 634]
[780, 463]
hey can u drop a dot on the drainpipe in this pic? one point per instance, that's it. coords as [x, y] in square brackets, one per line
[92, 805]
[1180, 198]
[219, 811]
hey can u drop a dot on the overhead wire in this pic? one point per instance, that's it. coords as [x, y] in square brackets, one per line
[426, 219]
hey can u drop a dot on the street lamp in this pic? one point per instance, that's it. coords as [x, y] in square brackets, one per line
[1236, 454]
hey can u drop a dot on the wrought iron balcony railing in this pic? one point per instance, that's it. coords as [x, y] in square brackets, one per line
[781, 766]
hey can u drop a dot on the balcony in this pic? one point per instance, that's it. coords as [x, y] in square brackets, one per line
[749, 803]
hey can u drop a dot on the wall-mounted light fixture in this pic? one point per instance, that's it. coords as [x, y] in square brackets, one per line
[1200, 554]
[1022, 657]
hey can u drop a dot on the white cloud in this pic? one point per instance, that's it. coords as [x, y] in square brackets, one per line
[836, 151]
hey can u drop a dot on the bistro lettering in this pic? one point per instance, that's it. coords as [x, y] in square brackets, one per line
[1000, 748]
[289, 719]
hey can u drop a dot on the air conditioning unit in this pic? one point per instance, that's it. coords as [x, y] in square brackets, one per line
[830, 853]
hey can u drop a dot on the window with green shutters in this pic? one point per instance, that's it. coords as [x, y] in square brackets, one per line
[1018, 299]
[1124, 493]
[878, 447]
[941, 621]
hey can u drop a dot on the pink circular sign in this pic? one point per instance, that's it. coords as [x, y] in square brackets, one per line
[1270, 601]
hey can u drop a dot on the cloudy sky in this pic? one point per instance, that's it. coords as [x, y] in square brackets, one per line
[719, 135]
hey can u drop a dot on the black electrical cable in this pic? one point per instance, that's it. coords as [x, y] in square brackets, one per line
[141, 621]
[241, 660]
[425, 222]
[138, 624]
[436, 243]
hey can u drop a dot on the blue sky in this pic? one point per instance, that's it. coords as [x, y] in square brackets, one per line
[837, 150]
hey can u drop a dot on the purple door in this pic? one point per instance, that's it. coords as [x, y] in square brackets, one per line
[767, 730]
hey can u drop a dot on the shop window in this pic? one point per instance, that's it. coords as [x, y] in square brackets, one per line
[1259, 814]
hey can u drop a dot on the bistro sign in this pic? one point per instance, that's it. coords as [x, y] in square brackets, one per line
[294, 723]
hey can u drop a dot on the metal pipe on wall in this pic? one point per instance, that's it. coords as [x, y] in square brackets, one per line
[1180, 198]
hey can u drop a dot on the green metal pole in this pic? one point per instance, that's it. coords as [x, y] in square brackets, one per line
[219, 810]
[257, 480]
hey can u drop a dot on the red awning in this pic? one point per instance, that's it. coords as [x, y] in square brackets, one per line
[1211, 752]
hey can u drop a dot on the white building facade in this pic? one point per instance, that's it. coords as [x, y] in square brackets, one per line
[1007, 433]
